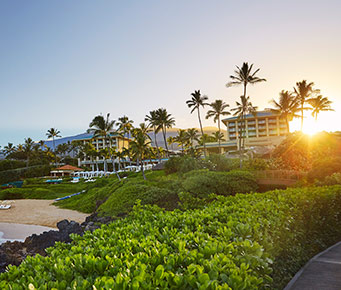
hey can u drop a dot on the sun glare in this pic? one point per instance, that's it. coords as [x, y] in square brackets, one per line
[310, 126]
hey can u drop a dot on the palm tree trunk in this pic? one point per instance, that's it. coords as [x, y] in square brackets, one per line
[129, 148]
[202, 133]
[54, 150]
[287, 123]
[142, 169]
[164, 139]
[157, 147]
[219, 135]
[302, 117]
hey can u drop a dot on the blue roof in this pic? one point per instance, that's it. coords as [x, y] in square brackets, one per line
[259, 114]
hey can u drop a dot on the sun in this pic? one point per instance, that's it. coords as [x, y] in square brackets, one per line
[310, 125]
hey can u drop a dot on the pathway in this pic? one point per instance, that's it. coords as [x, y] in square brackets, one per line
[323, 272]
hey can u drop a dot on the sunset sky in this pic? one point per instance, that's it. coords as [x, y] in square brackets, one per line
[64, 62]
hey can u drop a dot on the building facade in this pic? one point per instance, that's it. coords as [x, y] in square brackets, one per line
[113, 141]
[262, 129]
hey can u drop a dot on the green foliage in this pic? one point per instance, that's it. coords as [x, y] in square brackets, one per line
[255, 164]
[256, 241]
[333, 179]
[123, 199]
[324, 167]
[11, 164]
[21, 173]
[222, 163]
[185, 164]
[204, 182]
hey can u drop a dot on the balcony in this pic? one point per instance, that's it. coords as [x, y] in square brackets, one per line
[261, 121]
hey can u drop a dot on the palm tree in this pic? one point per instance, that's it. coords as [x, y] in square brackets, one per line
[244, 76]
[243, 108]
[303, 92]
[218, 136]
[53, 133]
[41, 144]
[319, 104]
[286, 107]
[192, 134]
[152, 118]
[125, 126]
[164, 122]
[196, 102]
[181, 139]
[140, 146]
[218, 110]
[9, 148]
[171, 140]
[27, 149]
[101, 127]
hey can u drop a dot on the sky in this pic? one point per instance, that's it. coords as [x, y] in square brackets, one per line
[64, 62]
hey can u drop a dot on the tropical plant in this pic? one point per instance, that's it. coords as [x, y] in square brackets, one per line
[104, 127]
[53, 133]
[286, 107]
[218, 137]
[303, 92]
[319, 104]
[164, 122]
[243, 108]
[244, 76]
[9, 148]
[125, 126]
[192, 134]
[182, 139]
[153, 122]
[28, 149]
[140, 146]
[195, 103]
[218, 109]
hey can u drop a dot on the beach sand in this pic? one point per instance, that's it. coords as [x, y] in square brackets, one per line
[38, 212]
[10, 231]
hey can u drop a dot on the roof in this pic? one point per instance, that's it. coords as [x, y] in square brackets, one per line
[89, 136]
[69, 167]
[258, 114]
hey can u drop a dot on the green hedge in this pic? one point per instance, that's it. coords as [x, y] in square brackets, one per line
[204, 182]
[21, 173]
[247, 241]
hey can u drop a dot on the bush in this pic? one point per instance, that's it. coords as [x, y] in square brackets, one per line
[204, 182]
[333, 179]
[254, 241]
[324, 167]
[123, 199]
[222, 163]
[185, 164]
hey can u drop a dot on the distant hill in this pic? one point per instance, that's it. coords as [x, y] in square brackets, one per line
[159, 137]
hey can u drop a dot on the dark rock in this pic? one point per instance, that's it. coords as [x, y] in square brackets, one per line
[62, 224]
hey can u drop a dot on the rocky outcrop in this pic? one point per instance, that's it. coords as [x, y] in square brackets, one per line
[13, 253]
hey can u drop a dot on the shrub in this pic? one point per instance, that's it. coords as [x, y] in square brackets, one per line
[204, 182]
[222, 163]
[254, 241]
[123, 199]
[333, 179]
[185, 164]
[324, 167]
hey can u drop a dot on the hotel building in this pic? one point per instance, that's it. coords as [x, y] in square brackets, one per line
[262, 129]
[116, 141]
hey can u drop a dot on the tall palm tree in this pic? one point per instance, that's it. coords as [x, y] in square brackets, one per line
[28, 148]
[125, 126]
[152, 120]
[303, 92]
[196, 102]
[171, 140]
[140, 146]
[192, 134]
[53, 133]
[164, 122]
[103, 127]
[218, 110]
[286, 107]
[243, 108]
[319, 104]
[244, 76]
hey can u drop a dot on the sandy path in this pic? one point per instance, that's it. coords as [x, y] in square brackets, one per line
[38, 212]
